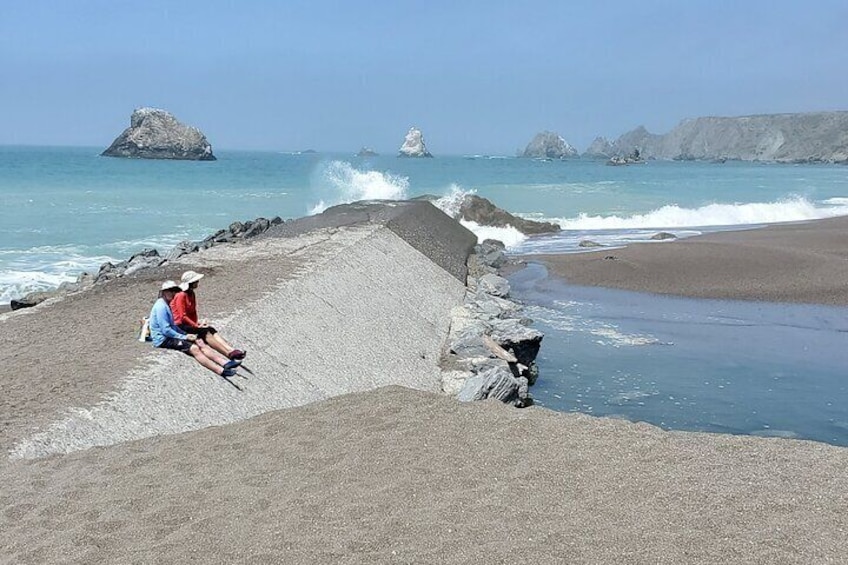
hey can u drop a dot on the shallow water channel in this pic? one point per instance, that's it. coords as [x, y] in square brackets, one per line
[690, 364]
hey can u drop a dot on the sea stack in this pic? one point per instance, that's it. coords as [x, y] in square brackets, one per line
[549, 145]
[413, 145]
[157, 134]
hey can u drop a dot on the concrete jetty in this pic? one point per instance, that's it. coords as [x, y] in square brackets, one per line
[351, 300]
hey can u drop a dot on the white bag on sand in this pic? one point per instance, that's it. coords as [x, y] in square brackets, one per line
[144, 333]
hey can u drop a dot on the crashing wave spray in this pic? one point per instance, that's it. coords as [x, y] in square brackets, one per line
[348, 184]
[451, 203]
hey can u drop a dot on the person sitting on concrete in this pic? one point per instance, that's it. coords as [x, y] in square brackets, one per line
[184, 308]
[165, 334]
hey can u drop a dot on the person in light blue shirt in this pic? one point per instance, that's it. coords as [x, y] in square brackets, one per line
[165, 334]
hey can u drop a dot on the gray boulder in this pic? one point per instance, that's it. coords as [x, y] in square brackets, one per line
[549, 145]
[497, 383]
[662, 236]
[589, 243]
[34, 298]
[144, 259]
[157, 134]
[491, 253]
[477, 209]
[494, 285]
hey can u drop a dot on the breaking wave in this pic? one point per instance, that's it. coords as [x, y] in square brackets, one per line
[343, 183]
[673, 216]
[450, 204]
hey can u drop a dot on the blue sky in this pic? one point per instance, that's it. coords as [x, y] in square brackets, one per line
[476, 77]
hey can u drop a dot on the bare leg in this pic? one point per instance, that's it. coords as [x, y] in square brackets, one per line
[201, 358]
[219, 344]
[211, 353]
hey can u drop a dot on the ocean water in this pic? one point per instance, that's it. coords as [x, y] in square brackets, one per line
[775, 370]
[67, 210]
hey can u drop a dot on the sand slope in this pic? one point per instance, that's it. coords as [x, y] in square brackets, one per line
[400, 476]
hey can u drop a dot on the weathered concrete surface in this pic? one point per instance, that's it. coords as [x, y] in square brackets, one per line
[357, 307]
[418, 222]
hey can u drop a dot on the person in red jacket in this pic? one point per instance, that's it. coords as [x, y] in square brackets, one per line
[184, 309]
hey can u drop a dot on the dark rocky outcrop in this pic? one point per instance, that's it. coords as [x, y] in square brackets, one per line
[815, 137]
[633, 158]
[477, 209]
[549, 145]
[156, 134]
[148, 258]
[413, 144]
[366, 152]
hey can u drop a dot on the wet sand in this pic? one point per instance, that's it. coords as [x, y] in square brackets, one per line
[802, 262]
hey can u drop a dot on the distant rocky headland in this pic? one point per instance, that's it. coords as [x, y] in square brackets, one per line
[814, 137]
[157, 134]
[413, 145]
[549, 145]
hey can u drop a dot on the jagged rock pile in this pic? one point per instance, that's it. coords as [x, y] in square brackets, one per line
[149, 258]
[491, 352]
[157, 134]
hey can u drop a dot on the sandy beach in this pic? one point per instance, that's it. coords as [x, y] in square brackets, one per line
[391, 474]
[802, 262]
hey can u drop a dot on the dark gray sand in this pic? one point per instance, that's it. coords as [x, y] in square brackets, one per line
[804, 262]
[401, 476]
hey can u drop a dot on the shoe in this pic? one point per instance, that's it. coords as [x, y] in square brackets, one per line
[232, 364]
[237, 354]
[228, 373]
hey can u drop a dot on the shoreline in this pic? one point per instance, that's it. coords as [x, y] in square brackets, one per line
[357, 468]
[803, 262]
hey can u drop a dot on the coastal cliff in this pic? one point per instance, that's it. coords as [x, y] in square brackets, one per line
[157, 134]
[815, 137]
[549, 145]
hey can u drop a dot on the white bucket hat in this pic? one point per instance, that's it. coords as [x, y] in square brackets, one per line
[169, 285]
[188, 278]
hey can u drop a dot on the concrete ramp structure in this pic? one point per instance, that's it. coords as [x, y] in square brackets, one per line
[347, 301]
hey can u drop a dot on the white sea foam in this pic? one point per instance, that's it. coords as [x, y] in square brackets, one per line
[43, 268]
[450, 204]
[673, 216]
[452, 201]
[509, 236]
[345, 183]
[568, 318]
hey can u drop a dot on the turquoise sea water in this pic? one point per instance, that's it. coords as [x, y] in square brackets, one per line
[666, 361]
[66, 210]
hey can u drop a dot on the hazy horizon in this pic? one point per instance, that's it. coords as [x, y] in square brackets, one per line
[475, 78]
